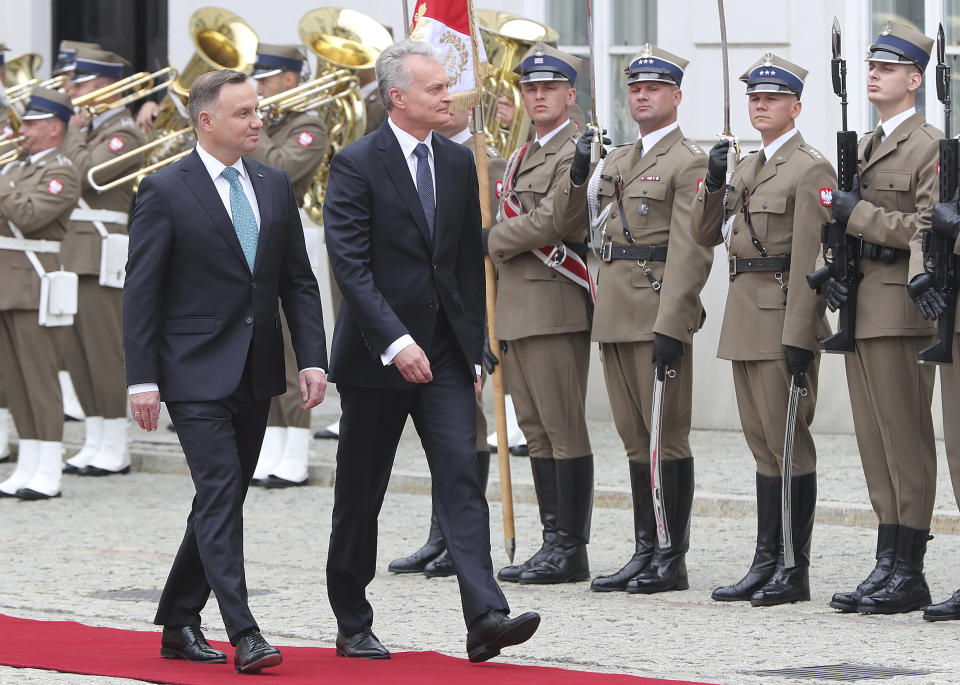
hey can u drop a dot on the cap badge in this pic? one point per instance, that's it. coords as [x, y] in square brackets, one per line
[768, 59]
[887, 29]
[646, 50]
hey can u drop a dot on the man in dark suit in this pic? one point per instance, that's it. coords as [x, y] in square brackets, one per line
[215, 242]
[402, 221]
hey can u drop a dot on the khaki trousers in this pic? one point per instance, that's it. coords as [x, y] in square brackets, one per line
[30, 359]
[763, 391]
[891, 395]
[950, 397]
[285, 409]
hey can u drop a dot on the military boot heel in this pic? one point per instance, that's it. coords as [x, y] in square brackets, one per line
[432, 548]
[793, 584]
[668, 568]
[887, 534]
[644, 530]
[768, 541]
[906, 590]
[545, 485]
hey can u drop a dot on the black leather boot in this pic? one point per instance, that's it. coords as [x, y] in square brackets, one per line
[668, 568]
[793, 584]
[567, 562]
[906, 590]
[442, 566]
[768, 542]
[948, 610]
[644, 530]
[432, 548]
[545, 484]
[887, 534]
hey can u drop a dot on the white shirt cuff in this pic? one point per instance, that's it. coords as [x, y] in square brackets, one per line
[142, 387]
[388, 354]
[476, 369]
[313, 368]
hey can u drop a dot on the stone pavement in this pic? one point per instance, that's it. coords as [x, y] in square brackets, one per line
[101, 552]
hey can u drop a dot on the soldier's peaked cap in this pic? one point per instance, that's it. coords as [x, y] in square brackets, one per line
[898, 44]
[545, 63]
[772, 74]
[67, 55]
[654, 64]
[272, 59]
[94, 62]
[45, 103]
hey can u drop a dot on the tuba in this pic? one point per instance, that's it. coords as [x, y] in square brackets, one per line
[345, 42]
[506, 38]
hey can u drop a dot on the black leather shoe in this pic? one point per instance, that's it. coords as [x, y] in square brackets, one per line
[254, 653]
[272, 481]
[189, 644]
[416, 562]
[441, 567]
[887, 534]
[520, 451]
[362, 645]
[326, 435]
[495, 630]
[944, 611]
[95, 471]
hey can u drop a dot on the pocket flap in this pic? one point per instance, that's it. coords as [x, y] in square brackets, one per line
[189, 325]
[536, 182]
[773, 204]
[538, 271]
[892, 180]
[652, 189]
[770, 297]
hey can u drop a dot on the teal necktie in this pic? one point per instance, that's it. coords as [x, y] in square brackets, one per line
[244, 222]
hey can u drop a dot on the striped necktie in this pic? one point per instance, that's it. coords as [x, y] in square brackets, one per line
[425, 185]
[244, 221]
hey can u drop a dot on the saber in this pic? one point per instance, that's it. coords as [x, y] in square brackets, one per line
[656, 482]
[733, 152]
[797, 390]
[596, 146]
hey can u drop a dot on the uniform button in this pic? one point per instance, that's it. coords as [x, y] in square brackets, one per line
[644, 191]
[764, 205]
[500, 253]
[891, 185]
[253, 285]
[249, 320]
[435, 267]
[864, 184]
[736, 230]
[430, 303]
[613, 215]
[553, 274]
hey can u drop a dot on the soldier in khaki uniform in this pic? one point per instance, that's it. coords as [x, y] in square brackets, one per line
[432, 558]
[37, 195]
[93, 351]
[889, 392]
[648, 304]
[545, 320]
[773, 322]
[297, 143]
[6, 130]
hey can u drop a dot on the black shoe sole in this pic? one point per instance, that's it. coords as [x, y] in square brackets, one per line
[259, 664]
[515, 636]
[928, 617]
[679, 586]
[439, 574]
[342, 653]
[168, 653]
[779, 601]
[99, 473]
[71, 470]
[326, 435]
[33, 495]
[405, 571]
[577, 578]
[275, 483]
[608, 588]
[844, 608]
[891, 610]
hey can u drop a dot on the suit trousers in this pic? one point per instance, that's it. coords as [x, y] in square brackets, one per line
[30, 359]
[950, 399]
[891, 395]
[763, 392]
[630, 376]
[221, 441]
[444, 413]
[93, 351]
[547, 378]
[285, 409]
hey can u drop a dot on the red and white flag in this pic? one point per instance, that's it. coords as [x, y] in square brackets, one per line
[451, 27]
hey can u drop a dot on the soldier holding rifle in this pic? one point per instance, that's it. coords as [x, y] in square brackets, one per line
[890, 394]
[772, 324]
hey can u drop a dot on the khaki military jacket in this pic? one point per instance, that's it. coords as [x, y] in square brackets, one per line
[899, 188]
[658, 193]
[789, 200]
[532, 298]
[297, 144]
[37, 198]
[376, 112]
[5, 128]
[108, 136]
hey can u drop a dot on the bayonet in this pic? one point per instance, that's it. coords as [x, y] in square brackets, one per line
[596, 146]
[733, 152]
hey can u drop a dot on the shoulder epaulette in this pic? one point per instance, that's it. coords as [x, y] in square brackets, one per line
[692, 146]
[812, 151]
[931, 132]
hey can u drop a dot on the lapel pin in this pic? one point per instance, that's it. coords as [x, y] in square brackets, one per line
[260, 175]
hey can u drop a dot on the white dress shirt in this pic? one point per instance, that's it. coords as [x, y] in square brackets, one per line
[770, 150]
[651, 139]
[407, 145]
[890, 126]
[546, 138]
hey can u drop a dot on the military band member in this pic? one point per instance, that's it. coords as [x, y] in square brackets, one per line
[37, 194]
[648, 304]
[773, 321]
[6, 130]
[544, 318]
[889, 392]
[432, 558]
[295, 142]
[93, 351]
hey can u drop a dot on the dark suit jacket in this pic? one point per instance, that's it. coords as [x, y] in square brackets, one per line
[393, 275]
[191, 307]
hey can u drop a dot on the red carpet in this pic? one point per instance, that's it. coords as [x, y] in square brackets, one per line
[75, 648]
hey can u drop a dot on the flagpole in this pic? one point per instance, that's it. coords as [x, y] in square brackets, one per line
[406, 19]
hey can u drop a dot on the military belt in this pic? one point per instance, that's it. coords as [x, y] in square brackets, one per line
[739, 265]
[29, 245]
[106, 216]
[882, 253]
[654, 253]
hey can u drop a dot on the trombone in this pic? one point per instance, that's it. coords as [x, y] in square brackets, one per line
[12, 154]
[310, 95]
[140, 173]
[140, 84]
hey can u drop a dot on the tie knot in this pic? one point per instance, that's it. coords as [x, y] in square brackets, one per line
[421, 151]
[230, 173]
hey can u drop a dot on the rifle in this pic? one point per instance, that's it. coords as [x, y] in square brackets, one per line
[840, 251]
[939, 261]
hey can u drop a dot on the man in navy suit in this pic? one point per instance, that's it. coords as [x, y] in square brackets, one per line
[402, 222]
[215, 242]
